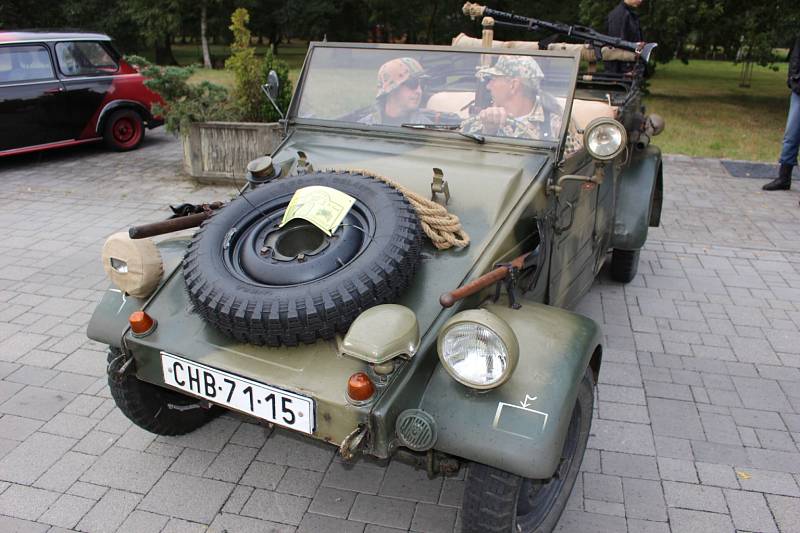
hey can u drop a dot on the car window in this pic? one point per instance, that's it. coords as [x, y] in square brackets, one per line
[523, 95]
[25, 63]
[84, 58]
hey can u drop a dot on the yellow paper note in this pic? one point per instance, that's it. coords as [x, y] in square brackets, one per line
[324, 207]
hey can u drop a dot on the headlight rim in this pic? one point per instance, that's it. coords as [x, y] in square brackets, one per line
[496, 325]
[605, 121]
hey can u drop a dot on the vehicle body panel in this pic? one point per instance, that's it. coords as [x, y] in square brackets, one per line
[520, 426]
[639, 186]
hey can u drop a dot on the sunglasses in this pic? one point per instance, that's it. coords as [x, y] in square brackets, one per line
[412, 84]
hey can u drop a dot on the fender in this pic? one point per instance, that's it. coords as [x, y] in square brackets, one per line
[520, 426]
[639, 197]
[109, 108]
[110, 318]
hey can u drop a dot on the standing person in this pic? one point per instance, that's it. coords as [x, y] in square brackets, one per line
[623, 22]
[791, 137]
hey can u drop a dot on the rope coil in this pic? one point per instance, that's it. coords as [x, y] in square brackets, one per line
[442, 227]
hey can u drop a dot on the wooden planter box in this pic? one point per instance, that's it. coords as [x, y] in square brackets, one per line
[221, 150]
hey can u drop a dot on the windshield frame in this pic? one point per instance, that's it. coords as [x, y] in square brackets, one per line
[293, 119]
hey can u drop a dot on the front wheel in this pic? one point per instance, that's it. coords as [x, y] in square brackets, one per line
[497, 501]
[156, 409]
[124, 130]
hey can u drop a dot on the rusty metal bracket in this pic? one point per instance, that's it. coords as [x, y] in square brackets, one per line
[119, 367]
[349, 447]
[439, 186]
[510, 284]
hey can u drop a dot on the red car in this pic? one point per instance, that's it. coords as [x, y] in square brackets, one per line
[61, 89]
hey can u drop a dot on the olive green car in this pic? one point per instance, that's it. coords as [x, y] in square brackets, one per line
[249, 313]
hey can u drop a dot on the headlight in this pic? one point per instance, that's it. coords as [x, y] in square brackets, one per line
[605, 138]
[133, 265]
[478, 349]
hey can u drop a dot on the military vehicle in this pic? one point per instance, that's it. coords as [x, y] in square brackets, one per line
[396, 278]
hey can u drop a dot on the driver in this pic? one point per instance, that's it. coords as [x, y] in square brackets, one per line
[518, 108]
[399, 94]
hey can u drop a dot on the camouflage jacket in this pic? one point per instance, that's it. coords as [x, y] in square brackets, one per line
[530, 126]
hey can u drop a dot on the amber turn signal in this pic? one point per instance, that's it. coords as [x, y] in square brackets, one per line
[360, 387]
[141, 323]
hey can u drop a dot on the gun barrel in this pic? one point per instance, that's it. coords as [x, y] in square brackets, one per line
[167, 226]
[478, 284]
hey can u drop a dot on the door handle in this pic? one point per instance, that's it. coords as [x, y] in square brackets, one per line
[56, 90]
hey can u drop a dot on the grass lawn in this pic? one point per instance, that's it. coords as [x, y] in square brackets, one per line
[707, 113]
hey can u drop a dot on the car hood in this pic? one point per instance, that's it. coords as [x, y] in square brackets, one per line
[485, 182]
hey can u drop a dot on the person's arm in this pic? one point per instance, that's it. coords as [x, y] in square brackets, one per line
[794, 67]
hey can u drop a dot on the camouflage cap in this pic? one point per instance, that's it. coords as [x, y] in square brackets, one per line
[522, 67]
[394, 73]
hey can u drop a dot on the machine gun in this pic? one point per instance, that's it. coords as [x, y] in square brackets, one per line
[599, 42]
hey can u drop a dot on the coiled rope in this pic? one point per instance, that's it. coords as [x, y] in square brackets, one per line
[442, 227]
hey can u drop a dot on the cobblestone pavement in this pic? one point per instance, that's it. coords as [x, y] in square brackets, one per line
[697, 423]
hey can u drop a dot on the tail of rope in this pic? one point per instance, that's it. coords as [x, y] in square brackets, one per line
[442, 227]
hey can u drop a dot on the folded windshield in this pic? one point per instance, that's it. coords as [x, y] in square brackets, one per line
[494, 95]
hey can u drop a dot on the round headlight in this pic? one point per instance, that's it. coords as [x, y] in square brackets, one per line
[133, 265]
[605, 138]
[478, 349]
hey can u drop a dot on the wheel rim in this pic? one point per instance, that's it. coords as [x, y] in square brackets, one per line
[258, 251]
[126, 131]
[536, 498]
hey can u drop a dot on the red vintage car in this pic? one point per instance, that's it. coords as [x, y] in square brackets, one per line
[62, 89]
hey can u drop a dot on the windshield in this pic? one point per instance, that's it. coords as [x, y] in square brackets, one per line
[494, 95]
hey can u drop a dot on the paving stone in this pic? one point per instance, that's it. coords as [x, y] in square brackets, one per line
[16, 525]
[774, 460]
[187, 497]
[769, 482]
[382, 511]
[717, 475]
[786, 512]
[406, 482]
[230, 463]
[228, 523]
[325, 524]
[250, 435]
[672, 447]
[355, 477]
[757, 419]
[176, 525]
[644, 499]
[66, 511]
[127, 470]
[719, 428]
[697, 497]
[674, 418]
[212, 437]
[36, 402]
[31, 375]
[95, 442]
[24, 502]
[452, 492]
[761, 394]
[749, 511]
[573, 520]
[300, 482]
[686, 521]
[33, 457]
[87, 490]
[602, 487]
[286, 449]
[65, 472]
[712, 452]
[17, 427]
[622, 437]
[193, 462]
[332, 502]
[626, 465]
[263, 475]
[677, 470]
[276, 507]
[646, 526]
[69, 425]
[109, 513]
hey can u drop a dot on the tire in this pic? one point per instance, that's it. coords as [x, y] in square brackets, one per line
[497, 501]
[156, 409]
[624, 265]
[124, 130]
[245, 281]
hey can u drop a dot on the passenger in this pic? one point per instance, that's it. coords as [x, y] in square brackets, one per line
[519, 108]
[399, 94]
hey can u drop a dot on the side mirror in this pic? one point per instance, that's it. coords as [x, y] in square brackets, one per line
[271, 90]
[273, 84]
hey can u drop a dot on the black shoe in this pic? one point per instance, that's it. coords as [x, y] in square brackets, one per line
[783, 182]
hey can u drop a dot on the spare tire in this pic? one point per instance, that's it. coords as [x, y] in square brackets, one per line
[262, 284]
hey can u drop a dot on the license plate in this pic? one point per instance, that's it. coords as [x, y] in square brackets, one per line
[262, 401]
